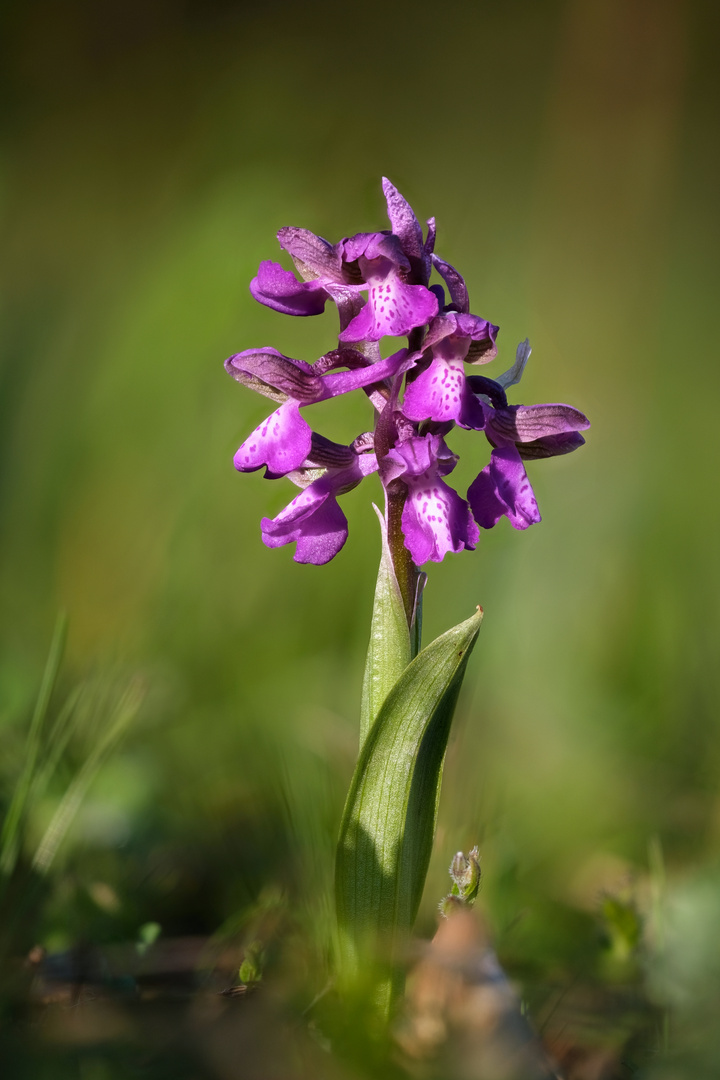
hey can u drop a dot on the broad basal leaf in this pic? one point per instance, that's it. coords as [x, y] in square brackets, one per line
[389, 820]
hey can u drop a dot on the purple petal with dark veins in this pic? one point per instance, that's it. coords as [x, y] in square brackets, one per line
[455, 283]
[403, 221]
[292, 377]
[281, 290]
[282, 443]
[483, 334]
[503, 488]
[551, 446]
[326, 454]
[314, 254]
[527, 423]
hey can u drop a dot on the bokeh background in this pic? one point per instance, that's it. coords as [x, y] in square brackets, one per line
[149, 153]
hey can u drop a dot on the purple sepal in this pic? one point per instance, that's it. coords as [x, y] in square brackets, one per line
[470, 329]
[435, 518]
[292, 378]
[403, 222]
[551, 446]
[372, 246]
[455, 283]
[281, 290]
[503, 488]
[314, 520]
[528, 423]
[430, 243]
[313, 256]
[406, 227]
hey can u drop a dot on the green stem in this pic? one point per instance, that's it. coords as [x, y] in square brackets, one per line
[406, 572]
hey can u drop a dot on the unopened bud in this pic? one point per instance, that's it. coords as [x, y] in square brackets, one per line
[465, 872]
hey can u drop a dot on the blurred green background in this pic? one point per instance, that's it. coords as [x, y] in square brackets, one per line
[149, 153]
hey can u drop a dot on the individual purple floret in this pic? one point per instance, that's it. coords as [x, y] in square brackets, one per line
[393, 266]
[314, 520]
[435, 519]
[517, 432]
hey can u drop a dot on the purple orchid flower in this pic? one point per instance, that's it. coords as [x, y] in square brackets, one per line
[518, 432]
[435, 518]
[314, 520]
[407, 445]
[282, 441]
[393, 266]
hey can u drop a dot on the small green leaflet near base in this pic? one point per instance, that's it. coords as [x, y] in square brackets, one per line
[388, 824]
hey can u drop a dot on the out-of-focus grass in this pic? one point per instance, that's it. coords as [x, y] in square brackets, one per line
[147, 158]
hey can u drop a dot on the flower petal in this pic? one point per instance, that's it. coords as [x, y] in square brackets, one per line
[293, 378]
[455, 283]
[503, 488]
[282, 443]
[281, 291]
[341, 382]
[314, 521]
[551, 446]
[403, 221]
[436, 520]
[378, 245]
[527, 423]
[441, 393]
[313, 256]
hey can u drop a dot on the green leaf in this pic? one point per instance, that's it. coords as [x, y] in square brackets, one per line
[389, 651]
[389, 819]
[13, 824]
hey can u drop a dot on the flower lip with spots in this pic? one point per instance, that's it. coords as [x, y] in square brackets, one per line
[441, 392]
[435, 518]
